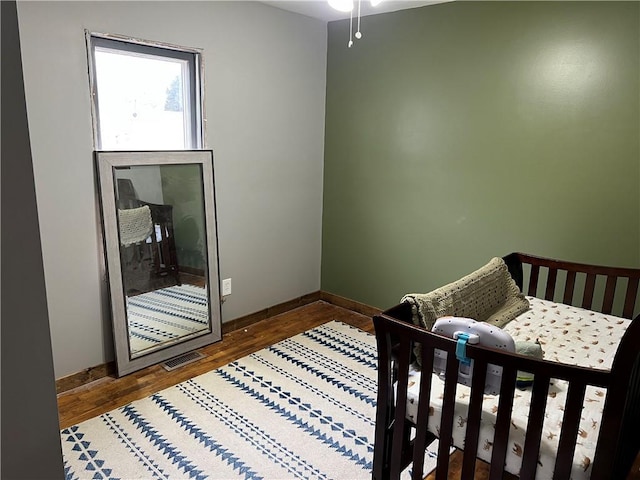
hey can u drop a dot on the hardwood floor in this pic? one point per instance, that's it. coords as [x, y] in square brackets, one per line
[107, 393]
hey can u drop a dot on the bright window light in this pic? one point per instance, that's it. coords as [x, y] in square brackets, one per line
[145, 97]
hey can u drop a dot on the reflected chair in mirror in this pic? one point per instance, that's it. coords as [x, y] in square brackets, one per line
[148, 247]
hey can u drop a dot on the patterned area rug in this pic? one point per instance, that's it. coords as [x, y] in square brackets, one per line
[303, 408]
[163, 315]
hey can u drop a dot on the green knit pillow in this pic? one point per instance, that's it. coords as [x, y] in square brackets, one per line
[531, 349]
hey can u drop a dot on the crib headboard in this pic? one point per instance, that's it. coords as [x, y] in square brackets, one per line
[592, 287]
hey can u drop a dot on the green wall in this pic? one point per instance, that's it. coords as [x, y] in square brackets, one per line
[466, 130]
[182, 188]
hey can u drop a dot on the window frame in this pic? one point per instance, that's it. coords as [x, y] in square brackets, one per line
[193, 56]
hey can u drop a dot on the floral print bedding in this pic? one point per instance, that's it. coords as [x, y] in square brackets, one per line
[567, 334]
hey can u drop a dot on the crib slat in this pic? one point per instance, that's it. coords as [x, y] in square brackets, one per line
[551, 284]
[609, 292]
[532, 440]
[587, 298]
[569, 431]
[473, 418]
[384, 400]
[422, 419]
[630, 298]
[446, 422]
[402, 364]
[533, 280]
[503, 422]
[569, 285]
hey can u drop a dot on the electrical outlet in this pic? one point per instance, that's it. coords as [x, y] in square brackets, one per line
[226, 287]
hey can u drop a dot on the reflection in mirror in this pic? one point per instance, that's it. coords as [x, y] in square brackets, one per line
[162, 251]
[165, 262]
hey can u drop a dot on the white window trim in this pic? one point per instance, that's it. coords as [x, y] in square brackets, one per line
[200, 140]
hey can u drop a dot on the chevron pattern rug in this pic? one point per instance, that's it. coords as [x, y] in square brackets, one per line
[302, 408]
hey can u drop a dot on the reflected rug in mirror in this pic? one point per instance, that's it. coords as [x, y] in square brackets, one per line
[164, 315]
[302, 408]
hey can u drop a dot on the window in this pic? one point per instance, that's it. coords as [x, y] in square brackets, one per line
[145, 97]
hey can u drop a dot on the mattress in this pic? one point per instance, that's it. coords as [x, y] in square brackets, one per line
[568, 335]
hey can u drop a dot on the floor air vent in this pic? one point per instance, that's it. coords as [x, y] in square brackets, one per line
[182, 360]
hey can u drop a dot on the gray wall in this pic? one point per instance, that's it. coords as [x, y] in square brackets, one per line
[466, 130]
[264, 100]
[30, 437]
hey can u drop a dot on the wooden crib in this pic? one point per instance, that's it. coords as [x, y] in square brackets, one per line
[400, 442]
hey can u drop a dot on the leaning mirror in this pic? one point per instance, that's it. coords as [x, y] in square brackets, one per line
[159, 224]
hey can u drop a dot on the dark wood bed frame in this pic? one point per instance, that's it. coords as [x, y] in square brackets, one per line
[619, 437]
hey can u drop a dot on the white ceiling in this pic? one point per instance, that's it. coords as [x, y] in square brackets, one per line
[320, 8]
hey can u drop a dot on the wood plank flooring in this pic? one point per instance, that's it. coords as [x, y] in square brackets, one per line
[107, 393]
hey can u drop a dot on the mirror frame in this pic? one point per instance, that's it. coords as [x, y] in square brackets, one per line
[106, 164]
